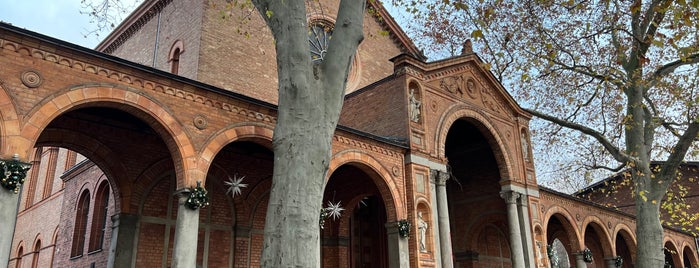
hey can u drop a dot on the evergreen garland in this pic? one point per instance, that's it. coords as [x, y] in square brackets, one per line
[404, 228]
[587, 255]
[12, 174]
[323, 215]
[198, 198]
[619, 261]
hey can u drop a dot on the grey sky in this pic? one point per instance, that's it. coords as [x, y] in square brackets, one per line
[56, 18]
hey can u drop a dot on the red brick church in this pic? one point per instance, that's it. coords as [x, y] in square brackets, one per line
[117, 137]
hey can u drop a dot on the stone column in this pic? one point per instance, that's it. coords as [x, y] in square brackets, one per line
[610, 262]
[514, 227]
[437, 254]
[526, 231]
[123, 241]
[184, 254]
[579, 260]
[440, 178]
[398, 250]
[8, 219]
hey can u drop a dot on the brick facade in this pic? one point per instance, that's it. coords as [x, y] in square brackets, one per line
[149, 133]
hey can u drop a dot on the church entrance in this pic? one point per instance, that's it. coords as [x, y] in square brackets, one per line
[478, 216]
[357, 237]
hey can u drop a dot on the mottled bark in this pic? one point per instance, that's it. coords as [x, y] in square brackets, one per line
[310, 100]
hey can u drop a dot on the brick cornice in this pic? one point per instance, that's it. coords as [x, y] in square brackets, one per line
[135, 81]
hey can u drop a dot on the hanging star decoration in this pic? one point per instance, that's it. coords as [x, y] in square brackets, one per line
[333, 210]
[235, 185]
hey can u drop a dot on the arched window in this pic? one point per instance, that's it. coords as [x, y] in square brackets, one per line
[99, 217]
[37, 250]
[174, 57]
[20, 252]
[80, 226]
[33, 177]
[559, 256]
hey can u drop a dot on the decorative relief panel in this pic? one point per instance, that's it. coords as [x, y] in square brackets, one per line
[470, 87]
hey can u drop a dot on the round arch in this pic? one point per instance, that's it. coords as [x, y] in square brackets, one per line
[258, 133]
[494, 137]
[480, 224]
[689, 255]
[11, 141]
[125, 99]
[670, 247]
[379, 175]
[85, 146]
[605, 240]
[624, 232]
[567, 221]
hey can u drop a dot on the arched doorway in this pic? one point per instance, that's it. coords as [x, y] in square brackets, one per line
[358, 238]
[121, 143]
[560, 238]
[558, 254]
[477, 213]
[594, 239]
[672, 255]
[625, 248]
[248, 162]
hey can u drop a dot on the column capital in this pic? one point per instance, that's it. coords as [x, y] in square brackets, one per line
[439, 177]
[613, 262]
[510, 196]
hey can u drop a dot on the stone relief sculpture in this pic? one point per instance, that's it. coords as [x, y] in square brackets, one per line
[453, 84]
[422, 230]
[525, 146]
[414, 107]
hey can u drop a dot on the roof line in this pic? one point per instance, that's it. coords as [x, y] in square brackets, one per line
[146, 69]
[397, 30]
[588, 202]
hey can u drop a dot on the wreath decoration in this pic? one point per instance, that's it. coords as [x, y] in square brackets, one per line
[618, 261]
[13, 173]
[403, 228]
[587, 255]
[198, 198]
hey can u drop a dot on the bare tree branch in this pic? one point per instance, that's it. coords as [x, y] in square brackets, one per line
[611, 148]
[672, 66]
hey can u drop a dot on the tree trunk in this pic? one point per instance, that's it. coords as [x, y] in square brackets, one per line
[310, 100]
[650, 235]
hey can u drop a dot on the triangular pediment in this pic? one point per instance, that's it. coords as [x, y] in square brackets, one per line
[465, 78]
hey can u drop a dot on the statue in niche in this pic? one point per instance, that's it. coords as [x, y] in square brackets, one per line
[525, 146]
[414, 107]
[422, 230]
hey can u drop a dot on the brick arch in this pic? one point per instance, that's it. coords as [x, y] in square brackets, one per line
[687, 249]
[568, 226]
[20, 244]
[85, 145]
[54, 236]
[259, 133]
[395, 209]
[142, 106]
[598, 226]
[628, 235]
[486, 219]
[11, 141]
[145, 182]
[669, 244]
[37, 237]
[86, 186]
[626, 232]
[492, 135]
